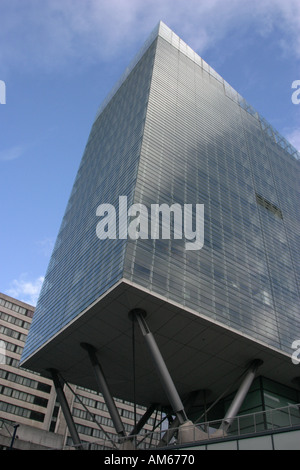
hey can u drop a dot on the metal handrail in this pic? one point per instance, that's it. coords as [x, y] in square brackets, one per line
[211, 429]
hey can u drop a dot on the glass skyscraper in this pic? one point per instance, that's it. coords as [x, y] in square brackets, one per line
[174, 132]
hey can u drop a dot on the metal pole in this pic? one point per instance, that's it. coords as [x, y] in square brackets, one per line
[143, 419]
[89, 412]
[65, 409]
[14, 436]
[188, 403]
[240, 395]
[161, 367]
[104, 389]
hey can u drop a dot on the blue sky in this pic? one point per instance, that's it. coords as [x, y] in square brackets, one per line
[59, 60]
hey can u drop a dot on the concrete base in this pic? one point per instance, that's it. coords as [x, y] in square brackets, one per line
[218, 433]
[188, 432]
[127, 445]
[31, 438]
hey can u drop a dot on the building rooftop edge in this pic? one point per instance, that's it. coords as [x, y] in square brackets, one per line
[162, 30]
[11, 299]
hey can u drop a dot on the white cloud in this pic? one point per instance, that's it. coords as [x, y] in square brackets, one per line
[293, 136]
[51, 34]
[26, 290]
[46, 246]
[12, 153]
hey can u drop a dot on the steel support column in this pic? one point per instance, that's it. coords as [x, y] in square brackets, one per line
[166, 380]
[104, 389]
[65, 409]
[240, 395]
[143, 419]
[172, 429]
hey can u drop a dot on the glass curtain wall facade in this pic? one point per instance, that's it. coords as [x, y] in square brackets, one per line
[263, 397]
[82, 267]
[175, 132]
[203, 144]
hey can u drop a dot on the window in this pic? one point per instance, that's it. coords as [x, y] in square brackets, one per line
[268, 205]
[16, 308]
[12, 333]
[19, 411]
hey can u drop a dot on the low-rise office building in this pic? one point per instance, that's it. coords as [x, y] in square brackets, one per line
[30, 417]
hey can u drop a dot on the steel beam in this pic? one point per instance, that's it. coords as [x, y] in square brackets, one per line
[104, 389]
[240, 395]
[165, 377]
[143, 419]
[65, 409]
